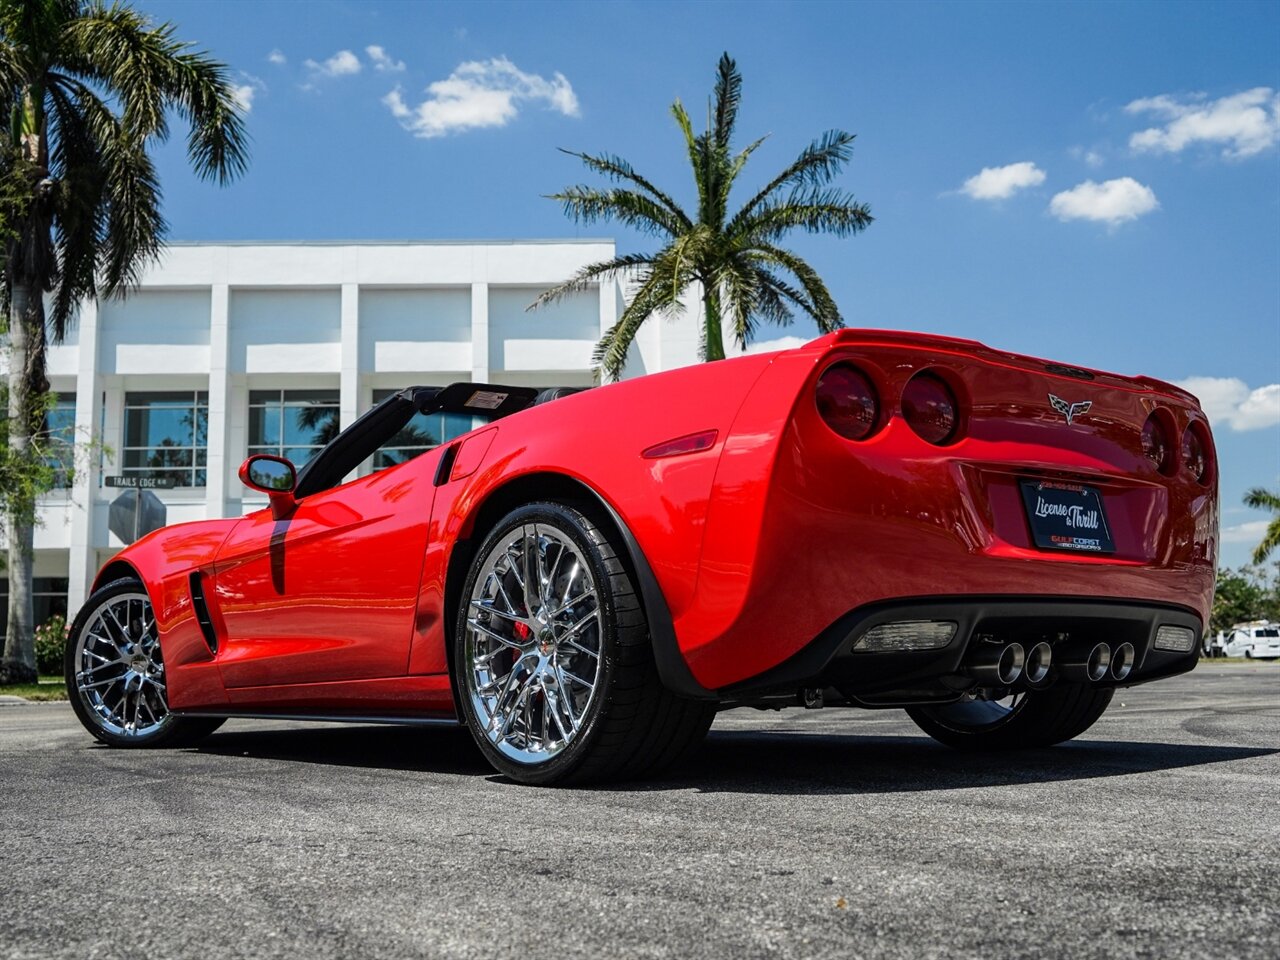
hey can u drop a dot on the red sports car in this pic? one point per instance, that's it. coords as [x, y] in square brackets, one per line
[994, 542]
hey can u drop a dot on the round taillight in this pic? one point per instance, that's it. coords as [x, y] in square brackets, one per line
[1156, 443]
[847, 401]
[930, 407]
[1195, 453]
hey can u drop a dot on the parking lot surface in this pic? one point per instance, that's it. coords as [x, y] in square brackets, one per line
[825, 833]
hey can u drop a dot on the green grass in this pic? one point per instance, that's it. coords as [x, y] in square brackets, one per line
[49, 688]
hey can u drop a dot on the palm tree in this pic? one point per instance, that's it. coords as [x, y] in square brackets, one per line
[1261, 499]
[733, 257]
[90, 87]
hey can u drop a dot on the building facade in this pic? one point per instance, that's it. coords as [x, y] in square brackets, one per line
[229, 349]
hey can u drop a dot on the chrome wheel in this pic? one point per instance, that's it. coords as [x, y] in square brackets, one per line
[533, 643]
[119, 671]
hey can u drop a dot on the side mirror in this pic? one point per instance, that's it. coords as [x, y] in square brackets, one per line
[274, 476]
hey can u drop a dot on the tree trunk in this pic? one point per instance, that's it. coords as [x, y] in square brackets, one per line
[713, 338]
[27, 383]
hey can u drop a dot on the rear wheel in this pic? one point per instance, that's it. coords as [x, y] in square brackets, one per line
[997, 720]
[555, 672]
[115, 673]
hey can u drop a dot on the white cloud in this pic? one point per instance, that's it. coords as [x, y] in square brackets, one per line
[1228, 400]
[245, 92]
[243, 95]
[382, 61]
[1112, 201]
[480, 93]
[341, 64]
[997, 183]
[1244, 123]
[1093, 159]
[277, 57]
[1251, 531]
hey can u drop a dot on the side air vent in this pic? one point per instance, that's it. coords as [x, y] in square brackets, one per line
[1064, 370]
[445, 467]
[201, 608]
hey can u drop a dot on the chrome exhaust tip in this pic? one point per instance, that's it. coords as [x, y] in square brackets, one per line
[1091, 667]
[997, 666]
[1009, 666]
[1122, 661]
[1039, 659]
[1099, 662]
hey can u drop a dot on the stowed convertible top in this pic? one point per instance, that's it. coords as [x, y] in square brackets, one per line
[491, 400]
[375, 427]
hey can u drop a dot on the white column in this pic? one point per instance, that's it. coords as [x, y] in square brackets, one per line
[480, 332]
[218, 468]
[82, 560]
[349, 382]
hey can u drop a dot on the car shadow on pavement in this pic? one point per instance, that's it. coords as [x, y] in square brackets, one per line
[426, 749]
[751, 761]
[803, 763]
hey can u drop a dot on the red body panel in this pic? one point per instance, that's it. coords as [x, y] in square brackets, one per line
[758, 543]
[328, 593]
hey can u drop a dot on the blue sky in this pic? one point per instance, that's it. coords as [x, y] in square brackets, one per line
[1129, 218]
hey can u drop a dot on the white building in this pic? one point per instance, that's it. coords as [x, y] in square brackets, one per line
[228, 348]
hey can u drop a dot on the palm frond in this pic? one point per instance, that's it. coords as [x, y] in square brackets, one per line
[824, 310]
[152, 71]
[617, 169]
[592, 273]
[653, 296]
[584, 204]
[1270, 542]
[817, 164]
[1260, 498]
[814, 211]
[728, 98]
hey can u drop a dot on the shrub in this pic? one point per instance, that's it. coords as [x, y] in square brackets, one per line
[51, 643]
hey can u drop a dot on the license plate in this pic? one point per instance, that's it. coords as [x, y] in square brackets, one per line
[1067, 516]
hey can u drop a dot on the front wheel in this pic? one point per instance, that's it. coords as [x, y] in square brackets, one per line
[996, 720]
[115, 673]
[554, 669]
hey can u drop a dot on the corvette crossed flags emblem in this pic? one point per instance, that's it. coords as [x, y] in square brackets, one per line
[1069, 410]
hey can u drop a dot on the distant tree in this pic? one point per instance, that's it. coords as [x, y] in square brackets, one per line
[1242, 595]
[734, 257]
[1261, 499]
[89, 87]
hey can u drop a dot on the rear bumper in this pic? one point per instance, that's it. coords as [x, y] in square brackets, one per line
[1070, 626]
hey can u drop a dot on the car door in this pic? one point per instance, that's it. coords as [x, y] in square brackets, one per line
[329, 592]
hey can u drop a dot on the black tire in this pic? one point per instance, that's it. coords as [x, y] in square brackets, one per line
[633, 726]
[1040, 718]
[171, 731]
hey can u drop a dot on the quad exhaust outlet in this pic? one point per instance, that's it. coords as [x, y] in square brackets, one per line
[1122, 661]
[1003, 665]
[1039, 659]
[998, 666]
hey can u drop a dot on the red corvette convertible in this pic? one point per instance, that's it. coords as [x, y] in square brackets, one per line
[993, 542]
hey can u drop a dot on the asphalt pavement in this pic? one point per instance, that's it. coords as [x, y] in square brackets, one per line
[824, 833]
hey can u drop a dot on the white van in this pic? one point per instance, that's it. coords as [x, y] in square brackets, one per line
[1257, 640]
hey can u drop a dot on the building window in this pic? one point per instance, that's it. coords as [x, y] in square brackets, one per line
[422, 433]
[60, 438]
[166, 435]
[48, 596]
[295, 424]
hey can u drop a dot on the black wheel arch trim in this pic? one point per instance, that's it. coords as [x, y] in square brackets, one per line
[672, 667]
